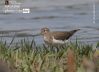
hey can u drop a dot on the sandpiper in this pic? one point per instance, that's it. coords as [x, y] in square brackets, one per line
[56, 37]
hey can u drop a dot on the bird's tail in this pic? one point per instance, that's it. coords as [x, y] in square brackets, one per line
[73, 31]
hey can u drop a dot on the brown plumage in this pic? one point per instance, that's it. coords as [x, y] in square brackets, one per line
[55, 36]
[63, 35]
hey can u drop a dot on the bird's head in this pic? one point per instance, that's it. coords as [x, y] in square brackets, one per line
[44, 30]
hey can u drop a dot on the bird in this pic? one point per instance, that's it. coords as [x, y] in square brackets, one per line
[56, 37]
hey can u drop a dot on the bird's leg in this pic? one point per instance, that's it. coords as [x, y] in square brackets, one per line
[57, 48]
[50, 47]
[46, 47]
[53, 48]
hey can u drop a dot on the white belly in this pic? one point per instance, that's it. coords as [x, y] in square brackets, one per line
[54, 41]
[59, 41]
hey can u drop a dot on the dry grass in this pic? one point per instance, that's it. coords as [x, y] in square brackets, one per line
[4, 66]
[71, 61]
[96, 60]
[28, 57]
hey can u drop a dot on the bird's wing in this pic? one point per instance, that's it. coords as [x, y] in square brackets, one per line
[61, 35]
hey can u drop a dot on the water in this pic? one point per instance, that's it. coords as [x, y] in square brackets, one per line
[56, 15]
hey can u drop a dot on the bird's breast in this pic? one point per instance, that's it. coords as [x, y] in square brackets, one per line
[45, 38]
[48, 39]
